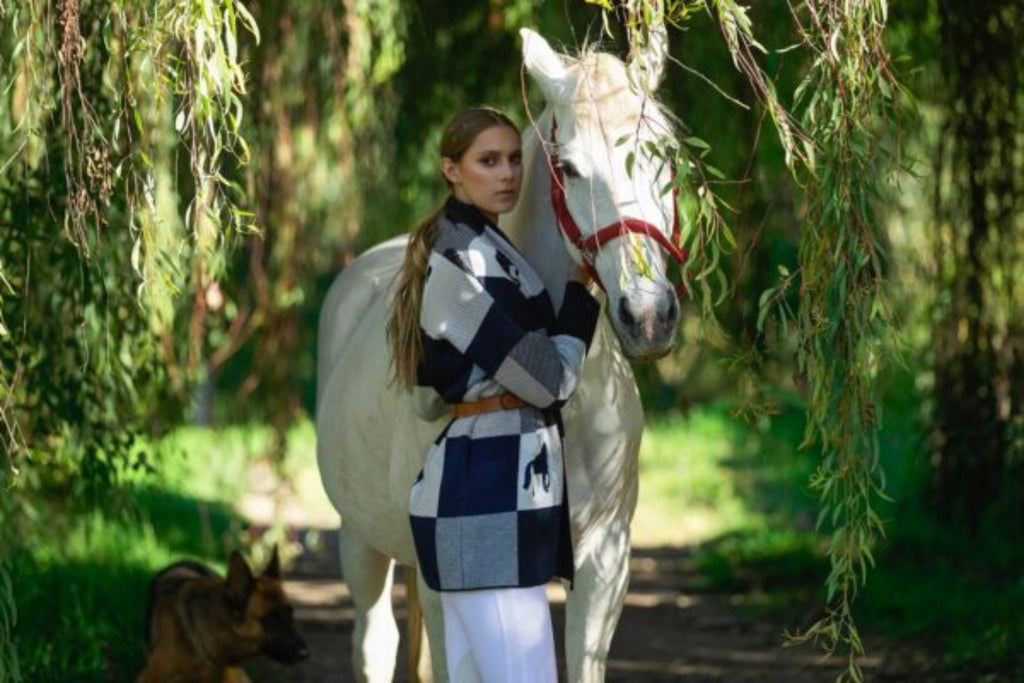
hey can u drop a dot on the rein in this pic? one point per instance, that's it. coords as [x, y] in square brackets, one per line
[590, 245]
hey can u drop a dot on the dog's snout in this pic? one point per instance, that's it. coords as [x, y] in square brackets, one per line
[287, 648]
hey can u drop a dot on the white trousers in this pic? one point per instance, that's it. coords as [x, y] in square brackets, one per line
[499, 635]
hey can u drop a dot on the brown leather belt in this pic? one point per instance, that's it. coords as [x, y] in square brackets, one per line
[489, 405]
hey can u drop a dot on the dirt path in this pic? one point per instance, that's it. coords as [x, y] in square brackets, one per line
[670, 630]
[672, 627]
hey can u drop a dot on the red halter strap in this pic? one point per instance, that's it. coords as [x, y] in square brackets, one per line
[589, 246]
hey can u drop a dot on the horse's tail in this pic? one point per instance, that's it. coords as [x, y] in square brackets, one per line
[414, 627]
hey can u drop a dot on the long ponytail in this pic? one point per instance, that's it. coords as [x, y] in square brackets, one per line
[404, 321]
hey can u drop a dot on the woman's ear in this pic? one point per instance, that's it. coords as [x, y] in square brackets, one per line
[450, 170]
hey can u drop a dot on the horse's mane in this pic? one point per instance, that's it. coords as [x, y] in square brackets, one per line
[604, 96]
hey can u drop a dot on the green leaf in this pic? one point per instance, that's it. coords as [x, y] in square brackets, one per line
[729, 237]
[714, 171]
[763, 307]
[697, 143]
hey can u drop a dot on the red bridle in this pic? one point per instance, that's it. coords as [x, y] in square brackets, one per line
[589, 246]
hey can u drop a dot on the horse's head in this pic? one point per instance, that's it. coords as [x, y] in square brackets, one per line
[608, 188]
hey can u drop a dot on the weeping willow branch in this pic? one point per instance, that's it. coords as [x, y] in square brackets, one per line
[841, 151]
[738, 33]
[847, 103]
[211, 83]
[89, 197]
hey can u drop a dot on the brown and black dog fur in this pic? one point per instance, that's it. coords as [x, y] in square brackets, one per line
[201, 627]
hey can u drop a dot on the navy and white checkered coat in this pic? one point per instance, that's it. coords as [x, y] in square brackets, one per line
[489, 508]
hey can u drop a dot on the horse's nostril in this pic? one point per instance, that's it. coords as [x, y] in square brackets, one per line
[625, 314]
[672, 310]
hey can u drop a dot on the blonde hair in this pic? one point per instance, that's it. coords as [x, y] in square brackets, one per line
[403, 328]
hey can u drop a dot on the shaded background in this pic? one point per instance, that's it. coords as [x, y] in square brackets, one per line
[125, 336]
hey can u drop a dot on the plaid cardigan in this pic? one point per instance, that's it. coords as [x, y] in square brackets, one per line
[489, 508]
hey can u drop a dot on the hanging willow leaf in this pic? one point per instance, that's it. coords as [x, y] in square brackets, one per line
[839, 153]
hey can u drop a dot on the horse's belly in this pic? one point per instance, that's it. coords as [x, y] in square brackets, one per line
[370, 445]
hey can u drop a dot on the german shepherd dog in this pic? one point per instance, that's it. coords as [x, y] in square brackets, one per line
[200, 627]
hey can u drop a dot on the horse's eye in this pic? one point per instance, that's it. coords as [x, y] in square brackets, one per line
[568, 169]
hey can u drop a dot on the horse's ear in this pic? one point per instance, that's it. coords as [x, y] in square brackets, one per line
[546, 68]
[647, 62]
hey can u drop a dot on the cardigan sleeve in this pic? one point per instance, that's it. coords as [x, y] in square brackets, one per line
[540, 369]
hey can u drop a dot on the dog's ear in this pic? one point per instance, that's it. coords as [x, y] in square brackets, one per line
[239, 584]
[273, 569]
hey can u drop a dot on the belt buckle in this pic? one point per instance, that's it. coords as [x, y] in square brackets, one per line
[508, 401]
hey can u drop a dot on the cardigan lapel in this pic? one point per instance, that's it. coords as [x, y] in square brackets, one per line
[467, 214]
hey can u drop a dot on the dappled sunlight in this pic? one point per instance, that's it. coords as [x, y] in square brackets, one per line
[656, 526]
[687, 490]
[235, 465]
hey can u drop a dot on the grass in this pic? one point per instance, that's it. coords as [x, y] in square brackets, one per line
[734, 492]
[81, 575]
[685, 496]
[959, 596]
[738, 495]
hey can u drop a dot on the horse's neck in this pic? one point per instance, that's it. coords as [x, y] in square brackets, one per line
[531, 226]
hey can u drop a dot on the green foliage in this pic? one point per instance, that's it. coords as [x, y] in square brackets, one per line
[82, 572]
[845, 97]
[846, 102]
[320, 117]
[90, 144]
[961, 596]
[98, 98]
[10, 668]
[939, 602]
[977, 186]
[686, 493]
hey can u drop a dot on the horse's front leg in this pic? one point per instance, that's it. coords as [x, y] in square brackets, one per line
[594, 604]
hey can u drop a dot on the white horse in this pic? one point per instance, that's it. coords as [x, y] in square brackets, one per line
[370, 445]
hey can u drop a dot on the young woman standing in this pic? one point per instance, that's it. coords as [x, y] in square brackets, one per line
[473, 324]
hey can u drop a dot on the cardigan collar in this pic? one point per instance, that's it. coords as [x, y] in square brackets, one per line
[467, 214]
[461, 212]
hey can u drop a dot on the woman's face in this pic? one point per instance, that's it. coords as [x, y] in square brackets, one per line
[490, 172]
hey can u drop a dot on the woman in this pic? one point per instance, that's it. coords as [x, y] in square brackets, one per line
[472, 321]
